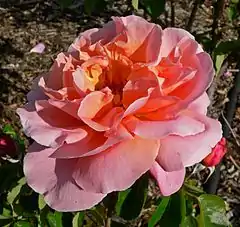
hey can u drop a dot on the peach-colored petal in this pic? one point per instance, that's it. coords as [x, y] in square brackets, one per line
[169, 171]
[53, 179]
[201, 104]
[117, 168]
[199, 84]
[92, 144]
[193, 149]
[92, 36]
[46, 125]
[91, 105]
[54, 79]
[171, 37]
[169, 182]
[183, 125]
[36, 92]
[70, 107]
[138, 84]
[140, 39]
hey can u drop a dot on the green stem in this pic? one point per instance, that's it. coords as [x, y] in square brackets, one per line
[182, 205]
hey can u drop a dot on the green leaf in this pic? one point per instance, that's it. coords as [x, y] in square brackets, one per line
[78, 219]
[157, 215]
[22, 224]
[135, 4]
[173, 210]
[58, 217]
[51, 220]
[65, 3]
[42, 218]
[96, 216]
[218, 62]
[12, 195]
[154, 7]
[91, 6]
[189, 222]
[226, 47]
[232, 12]
[212, 211]
[6, 210]
[8, 129]
[190, 187]
[41, 202]
[6, 222]
[135, 199]
[121, 198]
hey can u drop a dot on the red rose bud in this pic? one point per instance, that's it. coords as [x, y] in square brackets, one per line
[7, 146]
[216, 155]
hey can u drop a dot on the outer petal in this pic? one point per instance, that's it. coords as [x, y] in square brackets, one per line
[48, 125]
[201, 104]
[117, 168]
[92, 36]
[54, 79]
[169, 171]
[193, 149]
[199, 83]
[53, 179]
[168, 182]
[37, 92]
[171, 37]
[183, 125]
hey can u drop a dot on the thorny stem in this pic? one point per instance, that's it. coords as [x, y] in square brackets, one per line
[182, 204]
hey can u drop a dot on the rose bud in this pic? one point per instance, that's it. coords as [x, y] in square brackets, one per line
[7, 146]
[216, 155]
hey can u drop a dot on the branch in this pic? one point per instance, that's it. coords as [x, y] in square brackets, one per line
[218, 9]
[192, 16]
[172, 13]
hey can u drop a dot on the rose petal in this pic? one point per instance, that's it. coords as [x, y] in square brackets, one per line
[171, 37]
[39, 48]
[142, 38]
[117, 168]
[48, 125]
[53, 179]
[183, 125]
[168, 182]
[201, 104]
[91, 105]
[36, 93]
[193, 149]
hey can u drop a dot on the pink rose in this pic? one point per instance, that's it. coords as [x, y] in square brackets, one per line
[7, 146]
[215, 157]
[126, 98]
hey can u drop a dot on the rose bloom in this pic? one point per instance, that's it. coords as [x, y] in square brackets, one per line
[218, 152]
[123, 100]
[8, 146]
